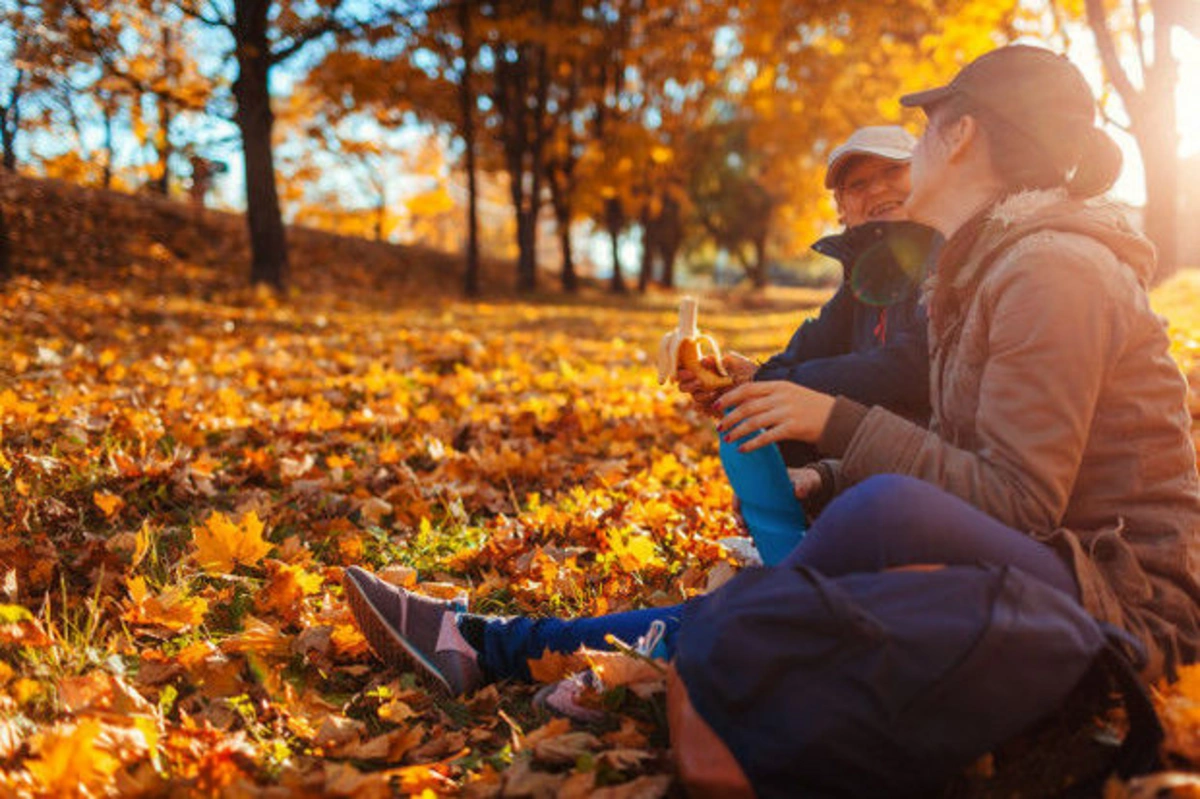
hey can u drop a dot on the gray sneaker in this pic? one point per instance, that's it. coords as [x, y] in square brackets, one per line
[403, 627]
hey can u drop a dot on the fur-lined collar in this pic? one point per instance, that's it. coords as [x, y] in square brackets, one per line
[1028, 212]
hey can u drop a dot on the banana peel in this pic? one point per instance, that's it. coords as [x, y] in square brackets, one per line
[683, 347]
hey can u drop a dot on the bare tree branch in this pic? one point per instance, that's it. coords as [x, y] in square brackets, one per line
[1098, 22]
[1187, 16]
[190, 9]
[1060, 27]
[1137, 34]
[330, 24]
[117, 71]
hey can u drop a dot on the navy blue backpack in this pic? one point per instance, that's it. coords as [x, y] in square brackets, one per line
[889, 684]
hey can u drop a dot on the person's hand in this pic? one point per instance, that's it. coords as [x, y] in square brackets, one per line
[739, 367]
[806, 481]
[704, 398]
[782, 411]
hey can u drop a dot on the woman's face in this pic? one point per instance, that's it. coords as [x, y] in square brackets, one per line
[928, 167]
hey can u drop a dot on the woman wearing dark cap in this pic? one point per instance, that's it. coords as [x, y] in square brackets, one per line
[1060, 438]
[1057, 410]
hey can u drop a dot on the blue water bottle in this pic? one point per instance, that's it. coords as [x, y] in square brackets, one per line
[772, 513]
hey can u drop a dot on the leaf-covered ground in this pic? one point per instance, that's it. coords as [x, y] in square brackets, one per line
[184, 477]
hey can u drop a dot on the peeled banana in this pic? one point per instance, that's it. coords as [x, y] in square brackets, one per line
[682, 348]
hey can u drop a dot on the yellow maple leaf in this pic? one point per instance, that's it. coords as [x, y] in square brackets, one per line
[633, 551]
[286, 588]
[173, 609]
[258, 637]
[70, 764]
[221, 544]
[553, 666]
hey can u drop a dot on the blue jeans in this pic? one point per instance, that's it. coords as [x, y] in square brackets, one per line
[883, 522]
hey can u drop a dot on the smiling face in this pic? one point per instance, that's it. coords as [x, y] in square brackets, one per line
[872, 189]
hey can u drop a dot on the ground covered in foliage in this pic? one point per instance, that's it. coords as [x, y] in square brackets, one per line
[186, 474]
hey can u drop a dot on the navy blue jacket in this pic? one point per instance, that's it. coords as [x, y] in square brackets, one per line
[870, 341]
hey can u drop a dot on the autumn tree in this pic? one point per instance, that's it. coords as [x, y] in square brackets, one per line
[15, 43]
[262, 35]
[454, 32]
[518, 94]
[1147, 94]
[573, 69]
[791, 80]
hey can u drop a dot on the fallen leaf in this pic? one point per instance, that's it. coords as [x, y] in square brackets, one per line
[565, 748]
[222, 544]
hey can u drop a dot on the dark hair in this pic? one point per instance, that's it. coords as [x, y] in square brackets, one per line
[1087, 166]
[1021, 163]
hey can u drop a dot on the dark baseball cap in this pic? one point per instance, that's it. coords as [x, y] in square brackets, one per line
[1036, 91]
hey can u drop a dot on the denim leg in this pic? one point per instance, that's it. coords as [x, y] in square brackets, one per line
[508, 644]
[893, 520]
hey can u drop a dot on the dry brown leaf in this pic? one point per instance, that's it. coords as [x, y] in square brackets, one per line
[553, 728]
[648, 787]
[338, 731]
[555, 666]
[566, 748]
[521, 780]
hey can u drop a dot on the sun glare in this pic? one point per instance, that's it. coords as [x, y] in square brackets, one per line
[1188, 94]
[1131, 187]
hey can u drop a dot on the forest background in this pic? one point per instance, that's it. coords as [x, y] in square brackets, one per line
[233, 239]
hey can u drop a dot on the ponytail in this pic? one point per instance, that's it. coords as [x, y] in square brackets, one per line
[1099, 166]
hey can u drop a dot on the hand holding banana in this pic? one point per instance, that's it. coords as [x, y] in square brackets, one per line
[681, 349]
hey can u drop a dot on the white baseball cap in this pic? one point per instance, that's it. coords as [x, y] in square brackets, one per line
[883, 141]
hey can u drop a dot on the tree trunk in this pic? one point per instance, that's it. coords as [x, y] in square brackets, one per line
[1152, 116]
[760, 263]
[649, 247]
[667, 255]
[162, 184]
[10, 123]
[1158, 141]
[570, 280]
[5, 250]
[254, 118]
[526, 245]
[559, 198]
[512, 84]
[466, 98]
[1162, 196]
[109, 144]
[670, 239]
[615, 220]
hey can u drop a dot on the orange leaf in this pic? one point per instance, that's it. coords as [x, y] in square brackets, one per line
[70, 764]
[553, 666]
[221, 544]
[173, 609]
[109, 504]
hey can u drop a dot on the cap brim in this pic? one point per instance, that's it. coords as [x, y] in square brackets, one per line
[839, 163]
[926, 98]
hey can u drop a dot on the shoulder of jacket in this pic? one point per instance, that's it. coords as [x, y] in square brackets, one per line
[1056, 256]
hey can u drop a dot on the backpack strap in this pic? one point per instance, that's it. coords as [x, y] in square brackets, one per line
[1138, 753]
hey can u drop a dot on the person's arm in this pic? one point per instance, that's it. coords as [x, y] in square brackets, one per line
[1051, 324]
[826, 335]
[894, 375]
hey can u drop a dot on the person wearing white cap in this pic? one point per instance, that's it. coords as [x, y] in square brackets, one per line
[869, 341]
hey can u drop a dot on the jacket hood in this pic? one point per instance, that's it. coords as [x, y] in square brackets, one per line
[848, 245]
[1028, 212]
